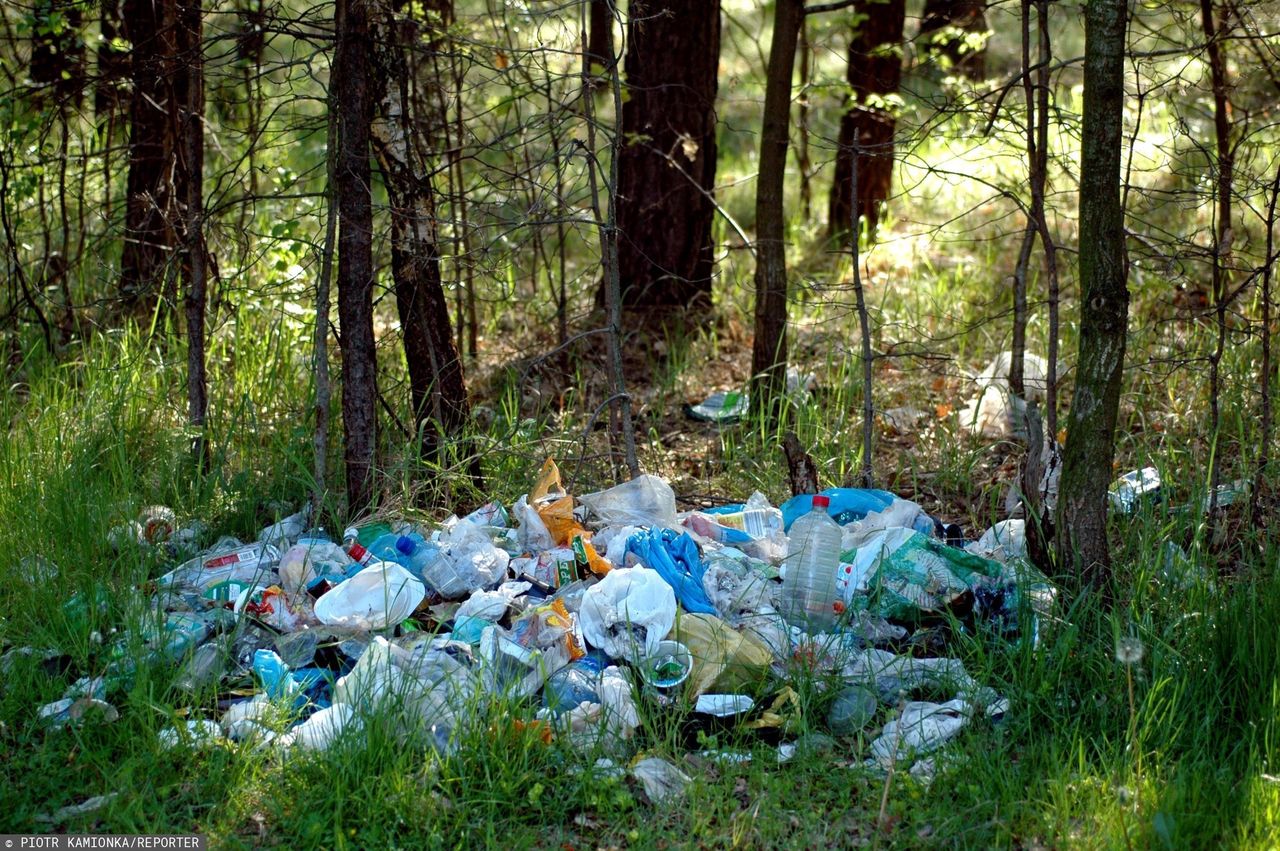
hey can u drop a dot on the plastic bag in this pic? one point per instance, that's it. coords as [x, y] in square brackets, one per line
[661, 780]
[301, 564]
[1003, 542]
[608, 723]
[899, 514]
[644, 501]
[469, 561]
[724, 660]
[491, 605]
[532, 534]
[323, 729]
[628, 612]
[677, 560]
[382, 594]
[925, 575]
[847, 504]
[734, 587]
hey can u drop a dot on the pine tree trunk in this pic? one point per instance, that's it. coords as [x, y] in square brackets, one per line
[1104, 304]
[769, 349]
[875, 70]
[189, 92]
[406, 136]
[355, 254]
[667, 165]
[150, 215]
[944, 27]
[600, 34]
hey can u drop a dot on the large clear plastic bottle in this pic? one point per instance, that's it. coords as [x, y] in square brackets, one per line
[809, 597]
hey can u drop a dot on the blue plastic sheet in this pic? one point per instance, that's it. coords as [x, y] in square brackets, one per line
[678, 562]
[847, 505]
[304, 684]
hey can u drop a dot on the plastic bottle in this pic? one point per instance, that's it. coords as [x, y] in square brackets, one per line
[415, 553]
[575, 683]
[385, 549]
[809, 596]
[351, 543]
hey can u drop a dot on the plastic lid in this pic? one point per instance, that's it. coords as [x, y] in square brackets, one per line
[405, 545]
[821, 501]
[357, 552]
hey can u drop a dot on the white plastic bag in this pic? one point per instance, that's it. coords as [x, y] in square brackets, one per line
[901, 514]
[382, 594]
[532, 534]
[299, 565]
[661, 780]
[1003, 542]
[323, 728]
[469, 561]
[628, 612]
[644, 501]
[491, 605]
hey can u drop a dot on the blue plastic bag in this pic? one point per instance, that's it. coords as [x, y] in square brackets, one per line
[676, 559]
[847, 505]
[279, 681]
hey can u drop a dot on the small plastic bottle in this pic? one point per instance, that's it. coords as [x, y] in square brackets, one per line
[359, 555]
[575, 683]
[809, 596]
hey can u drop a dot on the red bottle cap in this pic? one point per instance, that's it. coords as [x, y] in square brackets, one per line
[821, 501]
[357, 552]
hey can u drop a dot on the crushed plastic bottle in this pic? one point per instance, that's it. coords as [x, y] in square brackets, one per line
[576, 683]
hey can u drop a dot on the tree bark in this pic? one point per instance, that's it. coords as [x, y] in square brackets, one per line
[408, 126]
[769, 349]
[875, 70]
[150, 218]
[1222, 237]
[355, 254]
[945, 28]
[189, 92]
[667, 164]
[600, 36]
[1104, 304]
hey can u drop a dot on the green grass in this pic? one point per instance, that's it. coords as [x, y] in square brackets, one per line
[94, 439]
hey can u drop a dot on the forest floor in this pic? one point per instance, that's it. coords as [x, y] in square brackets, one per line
[1189, 763]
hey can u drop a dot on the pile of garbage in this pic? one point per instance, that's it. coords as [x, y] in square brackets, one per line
[591, 612]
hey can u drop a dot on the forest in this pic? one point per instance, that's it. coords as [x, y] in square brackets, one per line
[357, 279]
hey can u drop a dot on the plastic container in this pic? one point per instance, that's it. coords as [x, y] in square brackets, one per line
[576, 683]
[668, 666]
[415, 553]
[809, 597]
[852, 710]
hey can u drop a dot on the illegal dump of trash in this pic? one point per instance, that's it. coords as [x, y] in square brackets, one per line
[582, 615]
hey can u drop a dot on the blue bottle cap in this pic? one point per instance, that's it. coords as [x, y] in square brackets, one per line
[405, 545]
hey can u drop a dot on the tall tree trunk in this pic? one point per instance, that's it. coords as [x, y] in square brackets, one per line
[355, 254]
[1104, 303]
[947, 30]
[667, 165]
[150, 218]
[409, 126]
[189, 92]
[1224, 166]
[875, 70]
[769, 349]
[600, 36]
